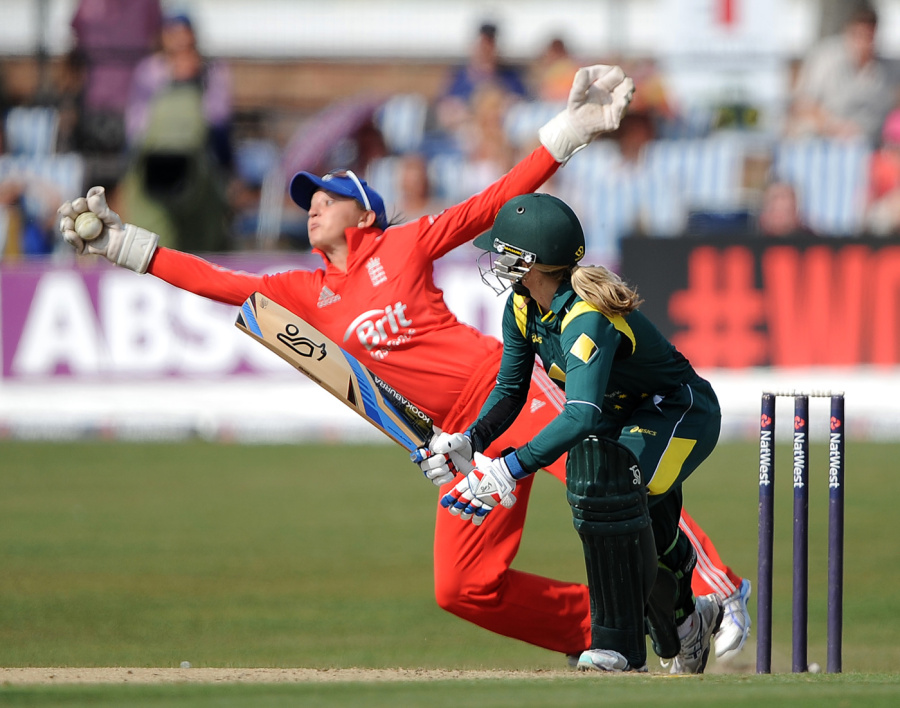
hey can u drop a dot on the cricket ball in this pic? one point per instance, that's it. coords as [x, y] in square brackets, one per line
[88, 226]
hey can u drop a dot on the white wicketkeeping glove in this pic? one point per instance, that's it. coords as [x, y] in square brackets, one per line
[599, 98]
[125, 245]
[446, 455]
[489, 484]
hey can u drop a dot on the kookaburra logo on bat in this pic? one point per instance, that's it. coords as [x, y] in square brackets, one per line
[304, 346]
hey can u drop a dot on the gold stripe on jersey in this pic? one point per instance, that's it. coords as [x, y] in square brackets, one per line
[556, 373]
[670, 465]
[520, 308]
[584, 348]
[618, 321]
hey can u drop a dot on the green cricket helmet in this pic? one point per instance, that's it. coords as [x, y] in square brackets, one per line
[529, 229]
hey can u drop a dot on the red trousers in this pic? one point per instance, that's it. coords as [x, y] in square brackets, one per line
[472, 575]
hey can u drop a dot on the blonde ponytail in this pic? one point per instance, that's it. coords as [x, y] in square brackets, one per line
[604, 290]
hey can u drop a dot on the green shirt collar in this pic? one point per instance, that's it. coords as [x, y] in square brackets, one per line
[563, 299]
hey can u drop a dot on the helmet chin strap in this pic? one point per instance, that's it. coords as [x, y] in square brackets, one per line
[520, 289]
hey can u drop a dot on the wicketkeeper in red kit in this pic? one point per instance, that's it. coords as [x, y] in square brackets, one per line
[377, 297]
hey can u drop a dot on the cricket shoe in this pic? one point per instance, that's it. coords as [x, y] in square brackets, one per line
[606, 660]
[695, 645]
[735, 629]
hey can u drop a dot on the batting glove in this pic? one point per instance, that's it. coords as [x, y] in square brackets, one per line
[125, 245]
[492, 482]
[446, 455]
[598, 99]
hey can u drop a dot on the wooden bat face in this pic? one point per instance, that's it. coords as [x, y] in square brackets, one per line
[342, 375]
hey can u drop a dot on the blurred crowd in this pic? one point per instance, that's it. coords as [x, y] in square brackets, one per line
[138, 108]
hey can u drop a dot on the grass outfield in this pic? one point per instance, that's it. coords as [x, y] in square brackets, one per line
[147, 555]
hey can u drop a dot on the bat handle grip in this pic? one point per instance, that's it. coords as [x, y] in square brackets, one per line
[420, 454]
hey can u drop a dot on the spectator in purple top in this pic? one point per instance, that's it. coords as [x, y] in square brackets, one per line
[178, 124]
[180, 63]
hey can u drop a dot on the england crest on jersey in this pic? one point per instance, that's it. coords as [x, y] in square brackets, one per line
[376, 271]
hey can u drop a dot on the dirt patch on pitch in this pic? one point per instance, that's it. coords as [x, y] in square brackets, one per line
[49, 676]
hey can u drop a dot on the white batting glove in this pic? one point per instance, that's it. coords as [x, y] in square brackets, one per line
[125, 245]
[489, 484]
[598, 99]
[446, 455]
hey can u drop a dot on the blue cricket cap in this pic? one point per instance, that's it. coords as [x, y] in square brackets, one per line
[342, 182]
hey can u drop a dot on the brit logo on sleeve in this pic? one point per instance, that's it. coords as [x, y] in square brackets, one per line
[584, 348]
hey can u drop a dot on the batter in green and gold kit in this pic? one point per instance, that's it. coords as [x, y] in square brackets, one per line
[637, 421]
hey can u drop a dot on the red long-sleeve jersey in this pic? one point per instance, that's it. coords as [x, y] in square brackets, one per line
[385, 309]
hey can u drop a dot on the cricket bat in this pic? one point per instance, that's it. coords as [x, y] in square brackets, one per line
[342, 375]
